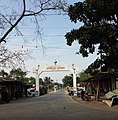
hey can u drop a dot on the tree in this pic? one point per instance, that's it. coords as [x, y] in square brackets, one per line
[3, 73]
[14, 13]
[9, 59]
[48, 81]
[18, 74]
[29, 81]
[95, 68]
[32, 80]
[84, 76]
[41, 82]
[99, 30]
[68, 80]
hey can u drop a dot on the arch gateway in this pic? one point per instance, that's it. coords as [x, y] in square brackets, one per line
[53, 69]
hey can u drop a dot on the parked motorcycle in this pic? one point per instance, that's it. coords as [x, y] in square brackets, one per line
[87, 96]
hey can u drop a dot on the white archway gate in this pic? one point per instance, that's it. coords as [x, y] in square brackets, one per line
[53, 69]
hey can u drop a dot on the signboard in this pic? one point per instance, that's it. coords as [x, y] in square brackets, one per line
[55, 68]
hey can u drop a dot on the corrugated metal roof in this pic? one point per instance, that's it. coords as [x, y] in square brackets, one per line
[101, 76]
[8, 80]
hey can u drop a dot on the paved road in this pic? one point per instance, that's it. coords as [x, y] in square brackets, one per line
[58, 106]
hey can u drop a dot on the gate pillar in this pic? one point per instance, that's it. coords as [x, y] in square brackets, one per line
[37, 81]
[74, 81]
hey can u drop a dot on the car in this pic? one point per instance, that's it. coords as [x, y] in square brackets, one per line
[31, 92]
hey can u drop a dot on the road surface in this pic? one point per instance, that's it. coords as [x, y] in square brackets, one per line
[54, 106]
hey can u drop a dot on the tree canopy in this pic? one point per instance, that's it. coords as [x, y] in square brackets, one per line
[3, 73]
[11, 59]
[84, 75]
[99, 30]
[68, 80]
[18, 74]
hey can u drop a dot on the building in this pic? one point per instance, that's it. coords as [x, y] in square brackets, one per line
[102, 83]
[11, 89]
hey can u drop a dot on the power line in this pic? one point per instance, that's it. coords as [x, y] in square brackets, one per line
[27, 27]
[56, 35]
[51, 14]
[37, 48]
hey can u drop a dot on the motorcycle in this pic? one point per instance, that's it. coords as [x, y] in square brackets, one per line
[87, 97]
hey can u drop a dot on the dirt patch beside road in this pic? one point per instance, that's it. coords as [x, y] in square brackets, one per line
[95, 104]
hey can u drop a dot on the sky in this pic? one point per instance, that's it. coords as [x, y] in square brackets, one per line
[52, 46]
